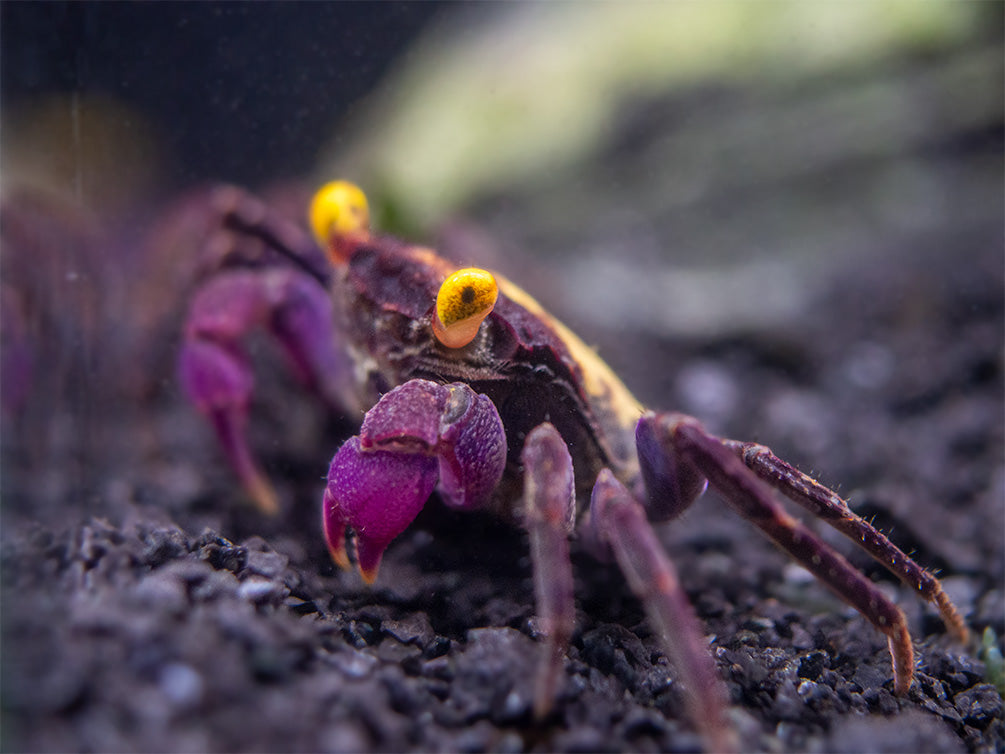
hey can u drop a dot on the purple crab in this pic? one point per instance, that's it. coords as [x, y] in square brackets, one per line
[473, 391]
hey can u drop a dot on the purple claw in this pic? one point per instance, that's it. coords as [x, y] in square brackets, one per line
[452, 422]
[378, 493]
[217, 379]
[302, 321]
[407, 418]
[215, 371]
[417, 435]
[215, 376]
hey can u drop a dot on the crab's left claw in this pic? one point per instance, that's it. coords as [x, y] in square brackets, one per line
[217, 379]
[416, 436]
[214, 367]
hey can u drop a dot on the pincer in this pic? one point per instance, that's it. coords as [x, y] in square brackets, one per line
[419, 436]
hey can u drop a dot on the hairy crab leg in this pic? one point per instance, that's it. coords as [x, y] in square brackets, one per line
[833, 510]
[620, 522]
[549, 517]
[753, 499]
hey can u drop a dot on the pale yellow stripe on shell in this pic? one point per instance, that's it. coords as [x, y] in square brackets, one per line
[599, 380]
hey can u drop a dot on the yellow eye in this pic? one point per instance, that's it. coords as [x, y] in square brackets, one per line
[464, 300]
[338, 208]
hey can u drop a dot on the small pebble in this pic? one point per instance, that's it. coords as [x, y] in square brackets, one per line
[262, 591]
[979, 705]
[181, 684]
[353, 663]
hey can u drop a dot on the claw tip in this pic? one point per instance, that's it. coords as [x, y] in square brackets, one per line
[339, 556]
[369, 574]
[263, 496]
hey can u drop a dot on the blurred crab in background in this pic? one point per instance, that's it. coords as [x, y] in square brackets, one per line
[473, 391]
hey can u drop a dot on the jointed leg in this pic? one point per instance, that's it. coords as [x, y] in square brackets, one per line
[248, 217]
[753, 499]
[828, 506]
[620, 522]
[549, 516]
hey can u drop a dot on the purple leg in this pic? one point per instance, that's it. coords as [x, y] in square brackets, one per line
[620, 521]
[242, 217]
[828, 506]
[753, 499]
[214, 369]
[549, 517]
[419, 436]
[670, 483]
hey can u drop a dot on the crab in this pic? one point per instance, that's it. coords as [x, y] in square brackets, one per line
[472, 391]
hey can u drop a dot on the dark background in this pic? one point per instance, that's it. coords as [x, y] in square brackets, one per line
[271, 79]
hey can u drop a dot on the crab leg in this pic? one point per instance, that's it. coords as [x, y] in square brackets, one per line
[246, 215]
[620, 521]
[549, 517]
[825, 504]
[753, 499]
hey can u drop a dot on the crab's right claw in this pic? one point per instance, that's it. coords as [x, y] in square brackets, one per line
[378, 493]
[218, 380]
